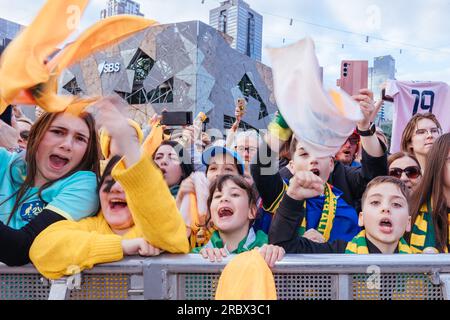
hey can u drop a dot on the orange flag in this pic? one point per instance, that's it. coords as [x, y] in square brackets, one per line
[26, 78]
[22, 64]
[97, 37]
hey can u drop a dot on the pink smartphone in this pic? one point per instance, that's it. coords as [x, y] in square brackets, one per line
[354, 76]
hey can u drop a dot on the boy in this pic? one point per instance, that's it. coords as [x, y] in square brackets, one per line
[334, 215]
[385, 217]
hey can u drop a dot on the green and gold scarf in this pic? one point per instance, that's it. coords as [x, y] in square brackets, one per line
[420, 237]
[358, 245]
[328, 213]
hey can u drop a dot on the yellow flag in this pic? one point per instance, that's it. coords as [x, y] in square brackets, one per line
[22, 64]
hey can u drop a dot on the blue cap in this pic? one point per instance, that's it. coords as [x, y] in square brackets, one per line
[212, 151]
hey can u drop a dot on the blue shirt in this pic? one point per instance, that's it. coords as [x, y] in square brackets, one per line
[74, 197]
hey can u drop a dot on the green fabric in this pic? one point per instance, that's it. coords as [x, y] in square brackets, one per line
[280, 121]
[250, 242]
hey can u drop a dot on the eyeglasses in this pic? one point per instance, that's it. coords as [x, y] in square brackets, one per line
[248, 149]
[411, 172]
[433, 131]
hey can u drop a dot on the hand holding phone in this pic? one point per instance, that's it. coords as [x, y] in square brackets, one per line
[176, 118]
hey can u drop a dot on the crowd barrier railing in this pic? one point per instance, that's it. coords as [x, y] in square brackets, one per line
[190, 277]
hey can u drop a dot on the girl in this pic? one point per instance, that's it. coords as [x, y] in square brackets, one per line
[419, 135]
[55, 180]
[431, 201]
[405, 167]
[232, 209]
[138, 214]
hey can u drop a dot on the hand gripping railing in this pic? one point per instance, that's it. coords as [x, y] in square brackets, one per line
[343, 277]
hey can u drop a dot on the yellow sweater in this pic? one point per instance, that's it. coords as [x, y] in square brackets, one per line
[66, 247]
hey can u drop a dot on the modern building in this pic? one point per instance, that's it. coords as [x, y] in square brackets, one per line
[116, 7]
[8, 31]
[235, 18]
[186, 66]
[383, 70]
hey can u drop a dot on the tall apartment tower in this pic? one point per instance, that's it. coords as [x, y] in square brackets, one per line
[244, 25]
[116, 7]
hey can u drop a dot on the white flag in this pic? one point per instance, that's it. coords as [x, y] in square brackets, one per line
[321, 120]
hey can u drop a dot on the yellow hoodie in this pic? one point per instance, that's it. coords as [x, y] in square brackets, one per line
[66, 246]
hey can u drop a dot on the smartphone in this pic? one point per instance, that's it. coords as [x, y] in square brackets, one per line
[6, 116]
[176, 118]
[384, 97]
[354, 76]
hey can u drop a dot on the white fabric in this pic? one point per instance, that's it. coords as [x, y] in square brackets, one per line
[411, 97]
[321, 120]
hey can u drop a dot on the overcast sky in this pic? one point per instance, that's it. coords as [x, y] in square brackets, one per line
[420, 29]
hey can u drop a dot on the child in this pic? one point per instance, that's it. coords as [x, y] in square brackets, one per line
[232, 209]
[193, 192]
[430, 205]
[385, 217]
[55, 179]
[138, 214]
[333, 215]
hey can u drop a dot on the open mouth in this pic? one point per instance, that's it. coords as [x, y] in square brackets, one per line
[386, 225]
[117, 204]
[225, 212]
[347, 152]
[315, 171]
[57, 161]
[163, 171]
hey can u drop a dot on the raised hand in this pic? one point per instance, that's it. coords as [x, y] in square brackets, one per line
[304, 185]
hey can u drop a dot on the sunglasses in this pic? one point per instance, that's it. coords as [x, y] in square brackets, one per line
[411, 172]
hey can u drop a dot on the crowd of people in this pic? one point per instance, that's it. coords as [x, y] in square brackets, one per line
[79, 189]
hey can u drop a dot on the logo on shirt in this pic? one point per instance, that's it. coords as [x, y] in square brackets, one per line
[30, 210]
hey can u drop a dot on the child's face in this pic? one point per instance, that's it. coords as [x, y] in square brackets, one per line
[221, 164]
[385, 214]
[114, 205]
[230, 208]
[303, 161]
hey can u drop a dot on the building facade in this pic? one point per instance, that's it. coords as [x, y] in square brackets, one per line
[8, 31]
[186, 66]
[116, 7]
[244, 25]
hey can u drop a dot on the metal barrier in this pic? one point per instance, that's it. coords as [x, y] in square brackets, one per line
[306, 277]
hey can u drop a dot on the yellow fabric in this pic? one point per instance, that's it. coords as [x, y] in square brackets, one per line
[153, 140]
[26, 77]
[97, 37]
[152, 205]
[91, 241]
[105, 139]
[23, 62]
[247, 277]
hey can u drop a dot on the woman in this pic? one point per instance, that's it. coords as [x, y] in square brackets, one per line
[138, 214]
[419, 135]
[431, 201]
[56, 180]
[173, 159]
[405, 167]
